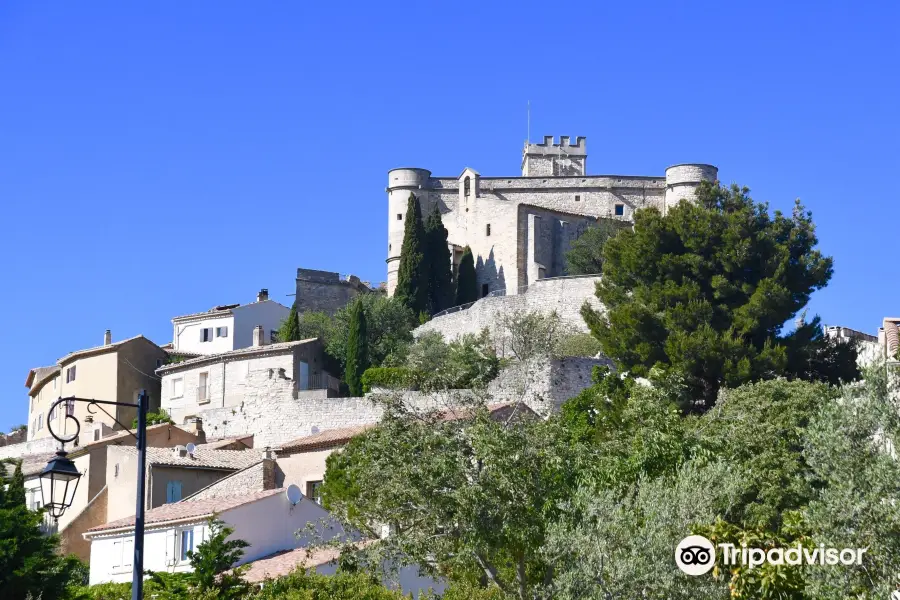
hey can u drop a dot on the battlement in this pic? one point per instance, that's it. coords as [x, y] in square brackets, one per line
[550, 146]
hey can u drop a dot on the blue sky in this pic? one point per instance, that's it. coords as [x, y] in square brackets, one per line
[158, 160]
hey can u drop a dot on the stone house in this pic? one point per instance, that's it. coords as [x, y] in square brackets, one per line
[519, 228]
[227, 327]
[172, 474]
[193, 387]
[116, 371]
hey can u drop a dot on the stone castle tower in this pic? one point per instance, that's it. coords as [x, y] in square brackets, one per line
[519, 228]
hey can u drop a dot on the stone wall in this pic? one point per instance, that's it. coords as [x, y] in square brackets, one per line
[256, 478]
[269, 411]
[326, 291]
[39, 446]
[565, 295]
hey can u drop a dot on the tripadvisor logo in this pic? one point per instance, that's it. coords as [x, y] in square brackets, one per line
[696, 555]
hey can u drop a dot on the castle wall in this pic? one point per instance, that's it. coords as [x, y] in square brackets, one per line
[565, 295]
[325, 291]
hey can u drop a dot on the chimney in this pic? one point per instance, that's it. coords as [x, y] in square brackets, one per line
[258, 338]
[195, 426]
[263, 295]
[107, 338]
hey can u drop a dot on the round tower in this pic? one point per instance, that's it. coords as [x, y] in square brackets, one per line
[401, 182]
[682, 181]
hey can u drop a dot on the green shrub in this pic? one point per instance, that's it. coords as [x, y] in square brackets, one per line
[578, 344]
[392, 378]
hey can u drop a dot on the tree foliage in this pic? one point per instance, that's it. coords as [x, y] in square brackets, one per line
[466, 280]
[437, 256]
[703, 293]
[412, 274]
[469, 497]
[585, 256]
[212, 563]
[528, 334]
[389, 325]
[357, 349]
[30, 565]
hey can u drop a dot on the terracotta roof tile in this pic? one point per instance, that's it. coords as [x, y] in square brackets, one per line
[283, 563]
[186, 510]
[213, 459]
[325, 439]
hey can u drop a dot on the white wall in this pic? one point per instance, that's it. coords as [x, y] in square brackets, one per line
[268, 525]
[186, 336]
[269, 314]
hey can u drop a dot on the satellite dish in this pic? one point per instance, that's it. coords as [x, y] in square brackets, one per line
[191, 448]
[314, 429]
[294, 495]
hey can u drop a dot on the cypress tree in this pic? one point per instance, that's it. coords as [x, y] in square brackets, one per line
[290, 329]
[440, 284]
[15, 493]
[357, 349]
[466, 283]
[412, 276]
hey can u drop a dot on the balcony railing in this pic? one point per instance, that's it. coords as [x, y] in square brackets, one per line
[321, 381]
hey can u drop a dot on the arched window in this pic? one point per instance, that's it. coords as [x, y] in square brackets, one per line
[466, 186]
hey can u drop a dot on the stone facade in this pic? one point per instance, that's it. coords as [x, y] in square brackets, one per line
[222, 381]
[565, 295]
[326, 291]
[519, 228]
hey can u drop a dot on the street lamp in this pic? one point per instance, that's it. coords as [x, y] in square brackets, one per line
[59, 479]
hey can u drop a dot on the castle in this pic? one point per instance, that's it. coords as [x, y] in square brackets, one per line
[519, 228]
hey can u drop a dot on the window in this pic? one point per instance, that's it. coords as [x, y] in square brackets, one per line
[178, 387]
[127, 553]
[620, 210]
[54, 383]
[399, 216]
[117, 554]
[202, 388]
[187, 543]
[221, 332]
[206, 334]
[273, 337]
[467, 186]
[40, 421]
[484, 290]
[53, 415]
[488, 229]
[70, 407]
[577, 198]
[158, 363]
[173, 491]
[314, 491]
[70, 374]
[116, 473]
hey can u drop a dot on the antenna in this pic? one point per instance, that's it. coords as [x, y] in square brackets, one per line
[528, 118]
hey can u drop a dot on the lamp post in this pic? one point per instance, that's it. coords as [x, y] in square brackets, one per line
[59, 479]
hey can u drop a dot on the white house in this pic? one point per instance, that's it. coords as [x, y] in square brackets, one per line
[227, 327]
[267, 520]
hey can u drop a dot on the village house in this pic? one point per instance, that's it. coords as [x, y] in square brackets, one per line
[268, 520]
[90, 503]
[223, 380]
[227, 327]
[115, 371]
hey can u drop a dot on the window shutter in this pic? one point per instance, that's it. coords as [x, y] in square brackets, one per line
[117, 554]
[170, 547]
[128, 552]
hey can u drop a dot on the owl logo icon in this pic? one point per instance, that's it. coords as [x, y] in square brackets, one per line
[695, 555]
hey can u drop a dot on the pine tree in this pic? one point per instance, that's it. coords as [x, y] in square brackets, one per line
[290, 328]
[440, 284]
[15, 492]
[466, 283]
[212, 563]
[357, 349]
[412, 276]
